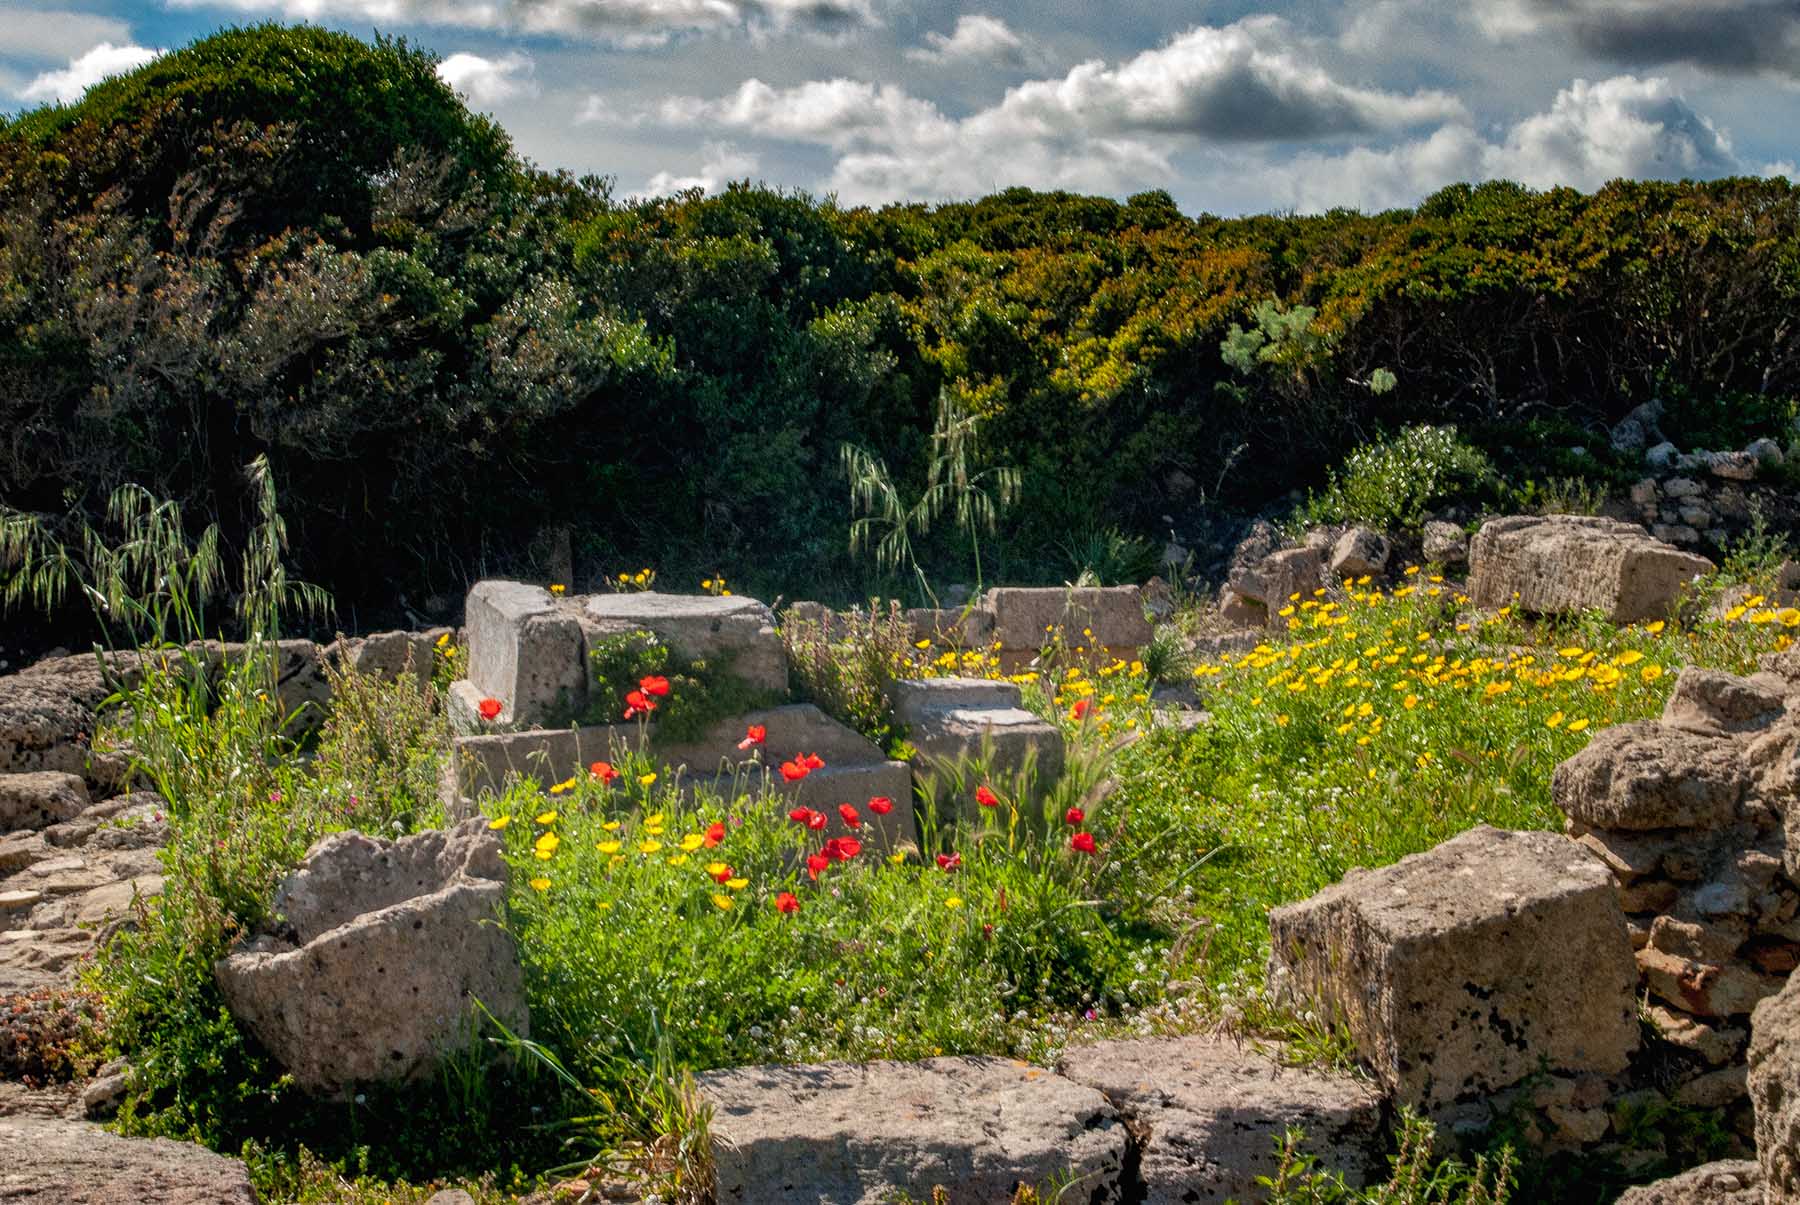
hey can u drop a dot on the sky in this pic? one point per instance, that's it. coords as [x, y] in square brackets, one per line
[1231, 107]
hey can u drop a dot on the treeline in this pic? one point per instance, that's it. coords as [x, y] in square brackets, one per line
[285, 241]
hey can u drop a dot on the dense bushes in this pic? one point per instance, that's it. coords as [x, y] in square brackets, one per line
[292, 243]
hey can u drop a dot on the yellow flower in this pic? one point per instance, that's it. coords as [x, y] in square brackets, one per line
[954, 901]
[1651, 673]
[1412, 571]
[547, 818]
[1410, 702]
[645, 780]
[1574, 650]
[609, 847]
[1555, 720]
[1577, 725]
[737, 884]
[611, 826]
[603, 906]
[502, 822]
[649, 847]
[722, 902]
[1736, 613]
[678, 860]
[567, 784]
[691, 842]
[707, 584]
[715, 869]
[557, 588]
[443, 640]
[1632, 656]
[540, 884]
[898, 857]
[922, 644]
[1654, 628]
[546, 844]
[1282, 721]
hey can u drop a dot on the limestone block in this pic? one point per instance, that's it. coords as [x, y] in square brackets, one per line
[859, 1134]
[737, 634]
[1566, 564]
[525, 651]
[1462, 970]
[1114, 614]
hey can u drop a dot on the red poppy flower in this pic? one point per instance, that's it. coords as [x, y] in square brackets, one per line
[727, 873]
[800, 815]
[603, 770]
[816, 820]
[1074, 816]
[813, 761]
[949, 862]
[850, 815]
[816, 863]
[714, 834]
[986, 798]
[489, 708]
[787, 902]
[794, 771]
[1082, 843]
[755, 734]
[654, 684]
[1081, 708]
[842, 849]
[881, 805]
[638, 703]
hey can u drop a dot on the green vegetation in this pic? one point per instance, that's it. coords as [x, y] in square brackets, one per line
[457, 354]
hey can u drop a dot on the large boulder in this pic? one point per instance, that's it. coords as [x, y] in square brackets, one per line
[1444, 543]
[384, 949]
[1775, 1091]
[1643, 776]
[858, 1134]
[1567, 564]
[1210, 1115]
[1463, 970]
[1360, 552]
[50, 1161]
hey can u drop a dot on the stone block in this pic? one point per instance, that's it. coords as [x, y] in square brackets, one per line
[1774, 1083]
[1212, 1112]
[1465, 969]
[735, 634]
[1643, 775]
[39, 799]
[1705, 989]
[1359, 552]
[956, 627]
[1567, 564]
[384, 947]
[1727, 1182]
[525, 651]
[1240, 611]
[52, 1161]
[859, 1134]
[911, 697]
[1713, 703]
[1445, 543]
[1114, 614]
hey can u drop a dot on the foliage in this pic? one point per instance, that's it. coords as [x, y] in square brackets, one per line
[844, 665]
[699, 693]
[1416, 1176]
[1392, 483]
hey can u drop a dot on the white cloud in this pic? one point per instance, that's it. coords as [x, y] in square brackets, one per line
[50, 34]
[722, 164]
[487, 82]
[67, 85]
[631, 22]
[1099, 128]
[1593, 132]
[976, 39]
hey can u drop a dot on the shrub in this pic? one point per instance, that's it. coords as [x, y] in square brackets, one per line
[843, 664]
[698, 693]
[1390, 484]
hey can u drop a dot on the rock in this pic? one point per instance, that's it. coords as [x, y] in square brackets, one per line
[525, 651]
[1714, 1090]
[1682, 487]
[1241, 612]
[954, 718]
[1661, 456]
[1176, 557]
[1359, 552]
[384, 948]
[38, 958]
[391, 656]
[1675, 533]
[41, 798]
[1629, 436]
[1445, 543]
[1705, 989]
[450, 1196]
[1732, 466]
[1213, 1113]
[1114, 614]
[962, 628]
[1696, 516]
[1258, 543]
[1567, 564]
[1467, 968]
[1641, 776]
[1715, 1044]
[731, 633]
[1774, 1083]
[1644, 492]
[858, 1134]
[1727, 1182]
[47, 1161]
[45, 727]
[1714, 703]
[105, 1092]
[1287, 573]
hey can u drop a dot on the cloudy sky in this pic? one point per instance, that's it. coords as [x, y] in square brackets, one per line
[1232, 107]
